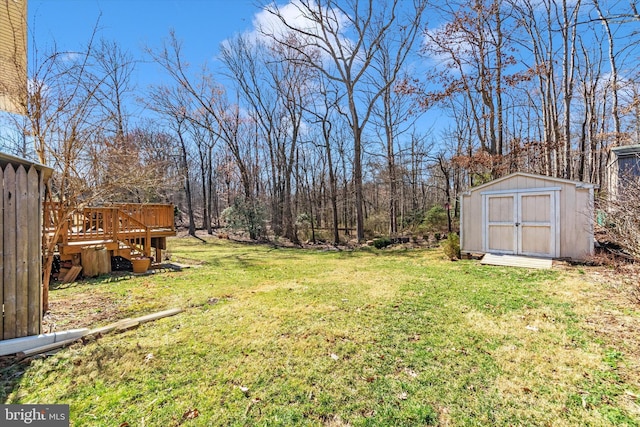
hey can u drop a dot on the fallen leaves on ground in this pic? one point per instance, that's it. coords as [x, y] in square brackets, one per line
[191, 414]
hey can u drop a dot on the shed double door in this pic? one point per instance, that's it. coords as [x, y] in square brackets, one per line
[521, 223]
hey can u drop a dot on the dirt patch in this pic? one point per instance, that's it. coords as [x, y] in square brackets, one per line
[620, 295]
[85, 310]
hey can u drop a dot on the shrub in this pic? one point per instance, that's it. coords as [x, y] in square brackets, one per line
[376, 224]
[246, 216]
[621, 217]
[413, 219]
[451, 246]
[303, 225]
[382, 242]
[436, 219]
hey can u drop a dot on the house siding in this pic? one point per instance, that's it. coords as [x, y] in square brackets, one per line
[13, 56]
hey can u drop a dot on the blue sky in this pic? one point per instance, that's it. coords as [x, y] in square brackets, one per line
[200, 24]
[134, 24]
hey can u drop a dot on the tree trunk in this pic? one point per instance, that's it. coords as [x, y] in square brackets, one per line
[206, 219]
[334, 191]
[187, 183]
[614, 75]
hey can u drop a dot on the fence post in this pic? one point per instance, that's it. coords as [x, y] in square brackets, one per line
[9, 258]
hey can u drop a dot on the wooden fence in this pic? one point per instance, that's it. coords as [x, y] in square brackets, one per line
[20, 251]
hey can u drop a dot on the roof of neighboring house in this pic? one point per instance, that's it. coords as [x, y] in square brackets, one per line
[627, 150]
[6, 159]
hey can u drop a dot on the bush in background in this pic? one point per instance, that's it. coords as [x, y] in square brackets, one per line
[451, 246]
[622, 217]
[382, 242]
[246, 216]
[412, 219]
[376, 224]
[435, 219]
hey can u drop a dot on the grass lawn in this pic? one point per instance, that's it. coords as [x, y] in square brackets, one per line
[366, 338]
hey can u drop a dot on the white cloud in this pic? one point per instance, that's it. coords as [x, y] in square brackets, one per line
[297, 14]
[266, 21]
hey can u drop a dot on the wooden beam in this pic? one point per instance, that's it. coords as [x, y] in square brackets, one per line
[126, 323]
[71, 275]
[121, 326]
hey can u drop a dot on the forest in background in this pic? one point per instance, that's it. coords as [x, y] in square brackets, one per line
[341, 120]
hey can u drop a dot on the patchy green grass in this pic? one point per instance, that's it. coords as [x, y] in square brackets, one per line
[367, 338]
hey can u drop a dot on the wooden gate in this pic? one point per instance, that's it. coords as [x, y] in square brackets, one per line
[20, 251]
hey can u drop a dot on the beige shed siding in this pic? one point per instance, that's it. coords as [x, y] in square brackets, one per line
[573, 222]
[536, 208]
[583, 219]
[500, 209]
[470, 220]
[535, 240]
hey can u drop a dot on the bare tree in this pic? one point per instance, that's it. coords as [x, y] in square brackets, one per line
[230, 125]
[568, 18]
[613, 69]
[473, 43]
[275, 90]
[541, 43]
[114, 67]
[175, 104]
[324, 112]
[341, 42]
[66, 123]
[394, 116]
[147, 151]
[205, 139]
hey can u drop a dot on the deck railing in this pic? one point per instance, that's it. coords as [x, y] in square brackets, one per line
[132, 233]
[154, 215]
[128, 223]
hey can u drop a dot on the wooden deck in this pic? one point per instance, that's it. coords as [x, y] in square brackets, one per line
[125, 230]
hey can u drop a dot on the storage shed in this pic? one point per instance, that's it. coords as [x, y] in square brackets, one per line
[527, 214]
[21, 194]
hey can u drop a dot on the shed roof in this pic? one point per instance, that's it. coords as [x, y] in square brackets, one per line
[578, 184]
[6, 159]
